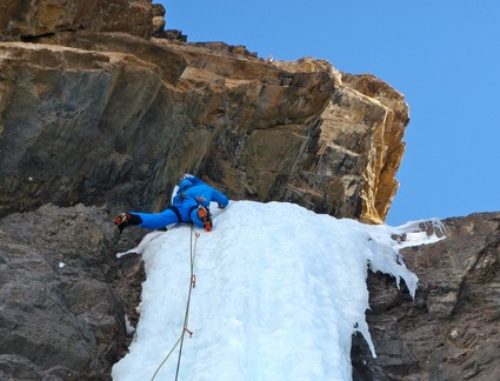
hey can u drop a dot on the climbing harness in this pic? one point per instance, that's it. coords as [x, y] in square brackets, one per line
[185, 329]
[176, 211]
[202, 213]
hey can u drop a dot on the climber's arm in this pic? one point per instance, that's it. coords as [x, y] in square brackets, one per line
[220, 198]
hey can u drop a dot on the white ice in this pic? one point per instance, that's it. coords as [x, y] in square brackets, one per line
[280, 291]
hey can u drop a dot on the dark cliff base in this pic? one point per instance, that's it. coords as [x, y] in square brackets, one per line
[452, 329]
[64, 295]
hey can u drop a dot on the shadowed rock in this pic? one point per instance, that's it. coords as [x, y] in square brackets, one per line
[451, 331]
[29, 19]
[62, 312]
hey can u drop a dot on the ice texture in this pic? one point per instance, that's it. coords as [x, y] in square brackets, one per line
[280, 290]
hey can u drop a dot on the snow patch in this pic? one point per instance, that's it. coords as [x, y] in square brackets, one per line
[128, 326]
[422, 232]
[280, 291]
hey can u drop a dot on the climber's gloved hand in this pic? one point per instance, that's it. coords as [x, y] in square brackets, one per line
[220, 206]
[125, 219]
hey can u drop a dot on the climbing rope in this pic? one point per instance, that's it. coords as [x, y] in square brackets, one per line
[185, 329]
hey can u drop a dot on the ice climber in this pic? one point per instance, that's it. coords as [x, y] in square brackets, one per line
[190, 205]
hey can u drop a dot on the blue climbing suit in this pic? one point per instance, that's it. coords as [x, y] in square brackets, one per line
[192, 193]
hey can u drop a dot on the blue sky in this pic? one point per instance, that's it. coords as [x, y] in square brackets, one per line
[443, 55]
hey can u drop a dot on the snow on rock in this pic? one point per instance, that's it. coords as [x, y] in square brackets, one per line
[280, 291]
[128, 326]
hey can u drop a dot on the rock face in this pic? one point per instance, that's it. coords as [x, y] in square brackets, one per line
[92, 111]
[110, 118]
[452, 329]
[28, 19]
[63, 296]
[59, 141]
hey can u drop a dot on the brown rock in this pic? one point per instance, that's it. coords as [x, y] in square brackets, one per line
[158, 25]
[114, 119]
[159, 10]
[58, 141]
[153, 110]
[451, 331]
[22, 19]
[390, 143]
[173, 34]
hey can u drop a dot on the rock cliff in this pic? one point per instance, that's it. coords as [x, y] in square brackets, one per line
[96, 116]
[113, 118]
[26, 20]
[63, 295]
[451, 331]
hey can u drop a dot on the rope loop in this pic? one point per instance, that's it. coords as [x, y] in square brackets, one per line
[192, 284]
